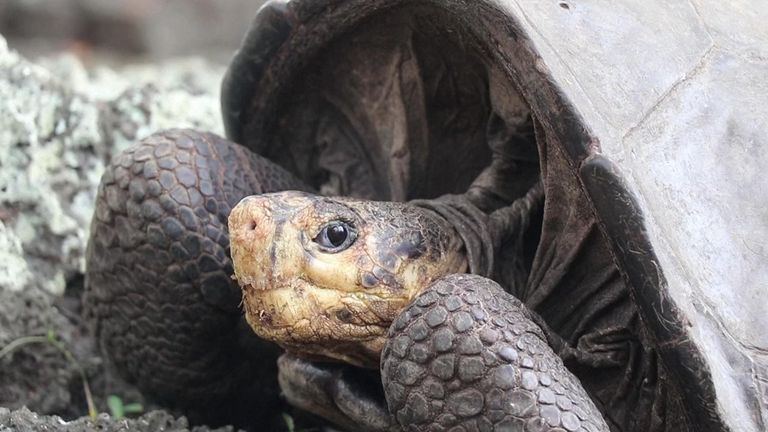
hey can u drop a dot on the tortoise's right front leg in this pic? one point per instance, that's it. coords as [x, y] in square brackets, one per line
[465, 355]
[158, 279]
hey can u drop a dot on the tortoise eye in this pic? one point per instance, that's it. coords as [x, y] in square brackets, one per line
[336, 236]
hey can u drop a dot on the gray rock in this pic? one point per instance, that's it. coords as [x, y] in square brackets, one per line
[55, 138]
[59, 126]
[24, 420]
[14, 272]
[35, 373]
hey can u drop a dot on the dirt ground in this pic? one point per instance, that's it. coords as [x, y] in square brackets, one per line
[38, 378]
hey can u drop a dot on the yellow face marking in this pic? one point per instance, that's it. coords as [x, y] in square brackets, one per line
[329, 303]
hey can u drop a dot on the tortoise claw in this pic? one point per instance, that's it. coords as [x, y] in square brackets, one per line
[349, 397]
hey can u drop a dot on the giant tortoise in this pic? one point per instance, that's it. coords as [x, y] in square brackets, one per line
[594, 166]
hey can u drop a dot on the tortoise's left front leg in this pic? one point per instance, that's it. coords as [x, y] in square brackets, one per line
[467, 355]
[158, 282]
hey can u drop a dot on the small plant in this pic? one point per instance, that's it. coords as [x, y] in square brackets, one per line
[118, 409]
[289, 424]
[51, 339]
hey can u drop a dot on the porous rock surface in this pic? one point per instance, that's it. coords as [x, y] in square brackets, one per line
[24, 420]
[59, 127]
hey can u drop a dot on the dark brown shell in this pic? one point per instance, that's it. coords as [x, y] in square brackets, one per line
[652, 128]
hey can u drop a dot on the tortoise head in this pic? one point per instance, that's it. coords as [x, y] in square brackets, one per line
[325, 277]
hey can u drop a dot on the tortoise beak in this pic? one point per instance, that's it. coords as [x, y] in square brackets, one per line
[251, 233]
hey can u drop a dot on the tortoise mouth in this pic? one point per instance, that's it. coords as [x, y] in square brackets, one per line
[322, 323]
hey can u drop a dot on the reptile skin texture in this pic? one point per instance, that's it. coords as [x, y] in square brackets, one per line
[158, 280]
[466, 356]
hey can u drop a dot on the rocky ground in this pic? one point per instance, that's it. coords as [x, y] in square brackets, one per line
[59, 126]
[24, 420]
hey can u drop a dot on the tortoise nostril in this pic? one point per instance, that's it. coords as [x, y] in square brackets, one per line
[344, 315]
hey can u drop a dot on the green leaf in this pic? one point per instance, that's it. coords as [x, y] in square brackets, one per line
[289, 422]
[116, 407]
[133, 408]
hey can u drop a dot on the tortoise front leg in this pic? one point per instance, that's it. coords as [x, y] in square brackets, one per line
[158, 279]
[467, 355]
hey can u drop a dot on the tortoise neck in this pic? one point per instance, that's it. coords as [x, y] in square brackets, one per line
[485, 235]
[473, 227]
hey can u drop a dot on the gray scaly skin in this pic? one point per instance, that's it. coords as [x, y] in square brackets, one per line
[461, 352]
[158, 278]
[165, 309]
[466, 354]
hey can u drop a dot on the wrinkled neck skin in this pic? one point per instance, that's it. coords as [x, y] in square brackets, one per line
[484, 234]
[469, 224]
